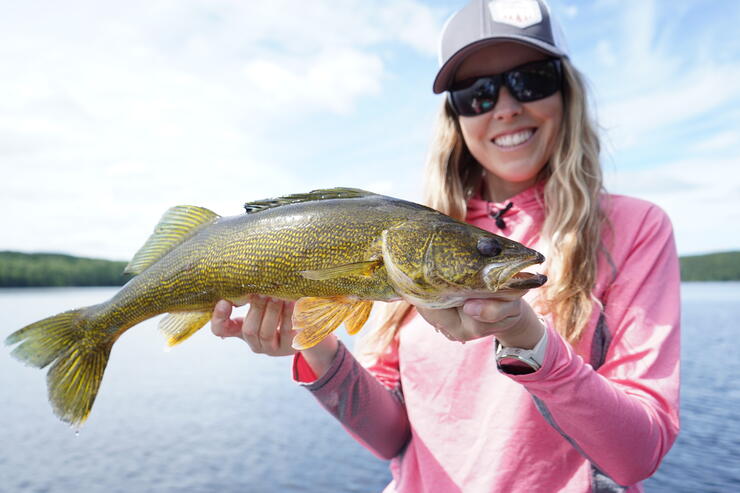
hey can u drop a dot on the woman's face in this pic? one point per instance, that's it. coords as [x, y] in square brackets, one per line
[514, 141]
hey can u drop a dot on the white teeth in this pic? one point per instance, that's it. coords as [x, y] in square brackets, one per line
[511, 140]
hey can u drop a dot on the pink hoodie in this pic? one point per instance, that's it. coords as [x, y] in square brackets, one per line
[594, 417]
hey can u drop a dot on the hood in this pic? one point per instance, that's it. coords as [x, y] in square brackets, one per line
[526, 203]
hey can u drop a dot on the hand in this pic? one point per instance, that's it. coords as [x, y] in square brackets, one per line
[506, 316]
[267, 328]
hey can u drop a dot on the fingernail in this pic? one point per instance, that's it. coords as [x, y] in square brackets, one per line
[473, 308]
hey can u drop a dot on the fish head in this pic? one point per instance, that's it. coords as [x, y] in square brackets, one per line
[442, 264]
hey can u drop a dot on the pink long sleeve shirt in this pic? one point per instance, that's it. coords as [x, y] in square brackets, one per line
[599, 416]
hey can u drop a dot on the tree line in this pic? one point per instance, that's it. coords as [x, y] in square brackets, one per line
[51, 269]
[724, 266]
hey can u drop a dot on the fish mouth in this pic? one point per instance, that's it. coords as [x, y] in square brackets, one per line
[525, 280]
[513, 277]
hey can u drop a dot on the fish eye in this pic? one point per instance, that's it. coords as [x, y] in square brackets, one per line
[489, 247]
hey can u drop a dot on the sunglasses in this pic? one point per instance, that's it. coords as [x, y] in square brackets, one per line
[528, 82]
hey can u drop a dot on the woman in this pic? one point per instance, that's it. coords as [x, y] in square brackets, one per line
[570, 387]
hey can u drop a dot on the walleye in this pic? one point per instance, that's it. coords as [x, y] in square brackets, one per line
[336, 251]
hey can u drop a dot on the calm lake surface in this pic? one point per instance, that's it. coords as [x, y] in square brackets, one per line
[210, 416]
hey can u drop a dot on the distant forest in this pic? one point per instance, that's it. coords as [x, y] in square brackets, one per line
[711, 267]
[51, 269]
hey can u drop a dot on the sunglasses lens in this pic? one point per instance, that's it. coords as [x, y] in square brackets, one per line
[533, 82]
[476, 99]
[527, 83]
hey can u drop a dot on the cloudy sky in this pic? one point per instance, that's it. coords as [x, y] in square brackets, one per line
[111, 112]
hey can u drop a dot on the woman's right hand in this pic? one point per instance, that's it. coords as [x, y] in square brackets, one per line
[267, 328]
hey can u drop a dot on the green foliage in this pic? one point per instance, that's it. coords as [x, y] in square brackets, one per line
[723, 266]
[50, 269]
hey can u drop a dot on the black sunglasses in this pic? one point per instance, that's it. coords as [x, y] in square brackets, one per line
[528, 82]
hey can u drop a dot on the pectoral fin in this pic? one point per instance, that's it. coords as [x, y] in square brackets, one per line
[355, 269]
[179, 326]
[316, 318]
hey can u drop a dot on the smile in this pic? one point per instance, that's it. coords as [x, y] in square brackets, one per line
[514, 139]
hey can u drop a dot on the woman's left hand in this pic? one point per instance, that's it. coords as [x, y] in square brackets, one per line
[506, 316]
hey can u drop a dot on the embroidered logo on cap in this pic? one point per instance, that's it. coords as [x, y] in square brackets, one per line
[518, 13]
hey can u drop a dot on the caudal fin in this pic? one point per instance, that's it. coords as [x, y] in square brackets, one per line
[77, 352]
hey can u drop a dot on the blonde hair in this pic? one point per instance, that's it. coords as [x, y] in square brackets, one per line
[573, 215]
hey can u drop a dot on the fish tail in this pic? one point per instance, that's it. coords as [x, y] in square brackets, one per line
[76, 345]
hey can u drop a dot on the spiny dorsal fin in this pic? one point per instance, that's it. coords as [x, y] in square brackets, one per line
[177, 224]
[322, 194]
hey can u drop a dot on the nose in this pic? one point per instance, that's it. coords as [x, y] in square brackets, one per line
[507, 107]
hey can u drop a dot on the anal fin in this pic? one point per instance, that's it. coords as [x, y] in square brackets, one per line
[316, 318]
[180, 325]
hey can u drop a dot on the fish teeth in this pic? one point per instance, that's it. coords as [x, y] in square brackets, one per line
[511, 140]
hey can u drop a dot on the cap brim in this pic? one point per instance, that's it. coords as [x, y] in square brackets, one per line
[446, 73]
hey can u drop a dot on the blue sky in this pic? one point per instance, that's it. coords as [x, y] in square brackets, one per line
[111, 112]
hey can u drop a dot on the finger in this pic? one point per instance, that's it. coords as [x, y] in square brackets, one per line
[286, 332]
[494, 317]
[268, 331]
[252, 322]
[491, 310]
[221, 323]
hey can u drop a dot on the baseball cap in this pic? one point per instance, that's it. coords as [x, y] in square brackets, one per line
[484, 22]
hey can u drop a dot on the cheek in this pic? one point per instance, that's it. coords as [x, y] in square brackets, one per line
[550, 114]
[474, 130]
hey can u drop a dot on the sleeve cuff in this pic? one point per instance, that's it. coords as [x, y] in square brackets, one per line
[549, 354]
[305, 376]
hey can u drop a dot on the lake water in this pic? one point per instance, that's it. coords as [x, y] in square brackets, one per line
[210, 416]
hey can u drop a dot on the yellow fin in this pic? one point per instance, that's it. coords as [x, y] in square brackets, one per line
[177, 224]
[77, 348]
[316, 318]
[357, 317]
[355, 269]
[180, 325]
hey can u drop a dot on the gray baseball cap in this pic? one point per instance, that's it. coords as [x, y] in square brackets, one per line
[484, 22]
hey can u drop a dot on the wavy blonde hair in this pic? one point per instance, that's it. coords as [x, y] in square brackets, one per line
[573, 215]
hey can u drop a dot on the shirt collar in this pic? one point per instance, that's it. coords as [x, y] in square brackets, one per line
[529, 201]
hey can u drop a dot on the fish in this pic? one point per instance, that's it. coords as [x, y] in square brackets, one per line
[333, 251]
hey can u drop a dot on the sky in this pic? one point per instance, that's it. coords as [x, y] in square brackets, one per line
[111, 112]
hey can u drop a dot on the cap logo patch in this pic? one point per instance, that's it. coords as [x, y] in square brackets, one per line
[517, 13]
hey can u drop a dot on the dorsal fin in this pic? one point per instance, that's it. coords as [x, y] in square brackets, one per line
[177, 224]
[322, 194]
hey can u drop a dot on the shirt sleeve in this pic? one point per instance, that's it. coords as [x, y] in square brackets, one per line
[366, 401]
[624, 417]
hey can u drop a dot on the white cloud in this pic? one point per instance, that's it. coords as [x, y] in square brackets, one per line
[634, 119]
[332, 81]
[722, 141]
[570, 10]
[700, 195]
[112, 112]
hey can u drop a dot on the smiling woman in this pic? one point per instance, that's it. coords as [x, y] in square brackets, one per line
[578, 380]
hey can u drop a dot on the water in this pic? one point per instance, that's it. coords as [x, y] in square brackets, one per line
[706, 456]
[210, 416]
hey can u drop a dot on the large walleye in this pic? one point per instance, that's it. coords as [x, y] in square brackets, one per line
[335, 251]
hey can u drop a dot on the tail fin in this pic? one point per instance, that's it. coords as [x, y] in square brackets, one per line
[78, 353]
